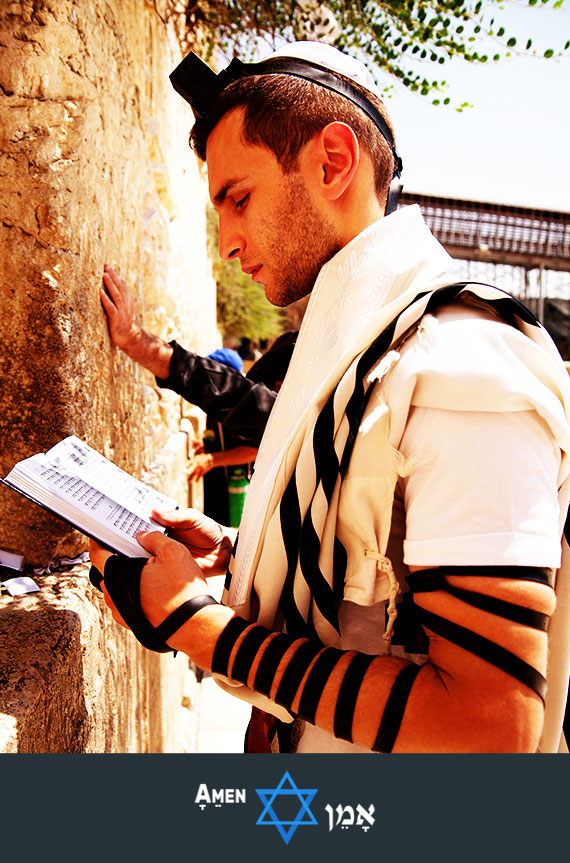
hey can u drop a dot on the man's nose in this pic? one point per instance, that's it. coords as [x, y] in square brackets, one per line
[231, 241]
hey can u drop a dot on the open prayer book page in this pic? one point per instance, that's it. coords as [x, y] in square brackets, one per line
[82, 487]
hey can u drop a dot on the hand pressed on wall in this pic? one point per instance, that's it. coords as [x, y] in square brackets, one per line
[120, 310]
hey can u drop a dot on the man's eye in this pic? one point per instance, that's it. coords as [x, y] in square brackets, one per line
[242, 202]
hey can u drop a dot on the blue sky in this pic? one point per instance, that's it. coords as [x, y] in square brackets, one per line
[513, 145]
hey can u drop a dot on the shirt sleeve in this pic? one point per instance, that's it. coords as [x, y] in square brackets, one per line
[241, 405]
[485, 491]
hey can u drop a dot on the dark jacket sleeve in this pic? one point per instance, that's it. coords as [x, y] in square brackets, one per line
[241, 405]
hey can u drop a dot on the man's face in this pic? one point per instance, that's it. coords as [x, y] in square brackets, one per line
[268, 219]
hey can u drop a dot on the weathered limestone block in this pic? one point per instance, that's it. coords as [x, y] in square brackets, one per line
[72, 680]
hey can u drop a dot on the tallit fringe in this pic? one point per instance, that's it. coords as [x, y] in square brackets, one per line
[385, 567]
[406, 466]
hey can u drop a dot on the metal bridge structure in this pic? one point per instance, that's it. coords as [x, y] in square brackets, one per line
[524, 250]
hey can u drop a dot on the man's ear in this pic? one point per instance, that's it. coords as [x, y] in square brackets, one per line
[339, 153]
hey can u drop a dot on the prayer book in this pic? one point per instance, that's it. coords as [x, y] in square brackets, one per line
[89, 492]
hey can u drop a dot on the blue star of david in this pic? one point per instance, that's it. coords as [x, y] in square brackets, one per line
[268, 796]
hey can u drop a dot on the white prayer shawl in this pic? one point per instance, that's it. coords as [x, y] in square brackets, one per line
[386, 274]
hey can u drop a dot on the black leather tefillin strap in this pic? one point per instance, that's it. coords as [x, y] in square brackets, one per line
[434, 579]
[122, 578]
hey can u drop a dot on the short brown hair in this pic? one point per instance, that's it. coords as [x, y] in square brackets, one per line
[283, 112]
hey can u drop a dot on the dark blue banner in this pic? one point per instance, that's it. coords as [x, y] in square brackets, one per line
[283, 808]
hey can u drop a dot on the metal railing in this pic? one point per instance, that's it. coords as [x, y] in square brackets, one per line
[497, 233]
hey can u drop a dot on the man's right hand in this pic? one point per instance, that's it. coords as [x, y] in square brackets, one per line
[209, 543]
[144, 348]
[120, 310]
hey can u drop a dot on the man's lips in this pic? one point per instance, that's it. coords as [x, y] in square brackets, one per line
[252, 271]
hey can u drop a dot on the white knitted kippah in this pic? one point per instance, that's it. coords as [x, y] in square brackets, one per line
[330, 58]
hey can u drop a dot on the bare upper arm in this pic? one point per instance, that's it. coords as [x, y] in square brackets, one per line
[469, 702]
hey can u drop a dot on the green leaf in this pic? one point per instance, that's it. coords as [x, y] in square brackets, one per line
[382, 31]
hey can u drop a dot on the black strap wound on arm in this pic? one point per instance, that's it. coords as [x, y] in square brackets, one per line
[540, 574]
[180, 615]
[348, 693]
[295, 671]
[272, 656]
[122, 579]
[247, 652]
[225, 643]
[423, 582]
[484, 649]
[395, 707]
[315, 683]
[95, 578]
[314, 662]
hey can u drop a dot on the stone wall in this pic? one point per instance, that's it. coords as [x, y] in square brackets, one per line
[95, 168]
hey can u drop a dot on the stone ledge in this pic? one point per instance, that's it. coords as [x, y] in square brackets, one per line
[72, 680]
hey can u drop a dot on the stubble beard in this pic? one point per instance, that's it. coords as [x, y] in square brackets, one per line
[303, 242]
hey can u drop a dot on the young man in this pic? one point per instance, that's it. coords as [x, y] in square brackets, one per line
[393, 583]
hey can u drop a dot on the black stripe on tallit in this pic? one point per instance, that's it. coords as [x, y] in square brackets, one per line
[340, 560]
[356, 404]
[321, 590]
[290, 517]
[326, 459]
[567, 528]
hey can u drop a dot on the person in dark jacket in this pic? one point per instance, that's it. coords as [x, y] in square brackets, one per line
[237, 406]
